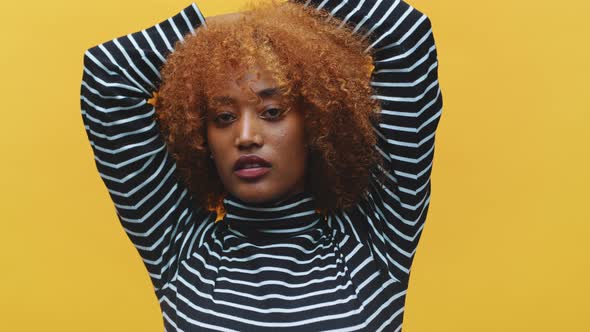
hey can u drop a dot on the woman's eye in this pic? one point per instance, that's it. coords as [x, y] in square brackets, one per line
[272, 113]
[224, 118]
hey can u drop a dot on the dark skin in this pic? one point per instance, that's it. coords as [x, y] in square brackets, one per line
[251, 119]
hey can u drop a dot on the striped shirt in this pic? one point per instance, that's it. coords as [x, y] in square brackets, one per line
[280, 265]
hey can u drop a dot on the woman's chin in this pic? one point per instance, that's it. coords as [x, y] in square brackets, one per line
[259, 194]
[254, 194]
[266, 189]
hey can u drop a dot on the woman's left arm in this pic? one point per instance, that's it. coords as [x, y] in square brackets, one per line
[405, 81]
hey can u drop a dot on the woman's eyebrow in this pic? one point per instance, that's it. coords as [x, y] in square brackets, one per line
[264, 94]
[269, 93]
[223, 100]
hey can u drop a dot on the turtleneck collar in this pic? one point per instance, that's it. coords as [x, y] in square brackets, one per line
[289, 217]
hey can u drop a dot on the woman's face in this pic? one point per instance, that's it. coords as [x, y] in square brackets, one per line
[258, 146]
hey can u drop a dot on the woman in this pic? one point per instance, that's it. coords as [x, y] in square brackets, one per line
[322, 211]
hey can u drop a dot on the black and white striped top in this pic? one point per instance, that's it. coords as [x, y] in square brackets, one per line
[271, 266]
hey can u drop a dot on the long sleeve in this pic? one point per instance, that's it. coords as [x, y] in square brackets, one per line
[131, 157]
[405, 81]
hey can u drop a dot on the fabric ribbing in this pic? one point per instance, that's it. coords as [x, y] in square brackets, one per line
[272, 220]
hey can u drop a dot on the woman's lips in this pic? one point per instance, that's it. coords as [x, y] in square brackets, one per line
[251, 167]
[252, 173]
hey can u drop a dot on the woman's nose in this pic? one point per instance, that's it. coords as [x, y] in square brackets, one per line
[248, 131]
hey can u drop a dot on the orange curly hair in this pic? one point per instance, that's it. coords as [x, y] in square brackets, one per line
[319, 65]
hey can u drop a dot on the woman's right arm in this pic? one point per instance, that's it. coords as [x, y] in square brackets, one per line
[151, 202]
[405, 81]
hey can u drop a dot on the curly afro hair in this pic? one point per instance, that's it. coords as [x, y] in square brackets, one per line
[319, 64]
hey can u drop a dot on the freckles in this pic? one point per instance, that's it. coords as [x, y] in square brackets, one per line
[283, 136]
[279, 137]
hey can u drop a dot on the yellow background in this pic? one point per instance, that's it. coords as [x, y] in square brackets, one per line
[507, 239]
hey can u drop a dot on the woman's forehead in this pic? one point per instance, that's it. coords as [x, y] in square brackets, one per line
[260, 83]
[255, 76]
